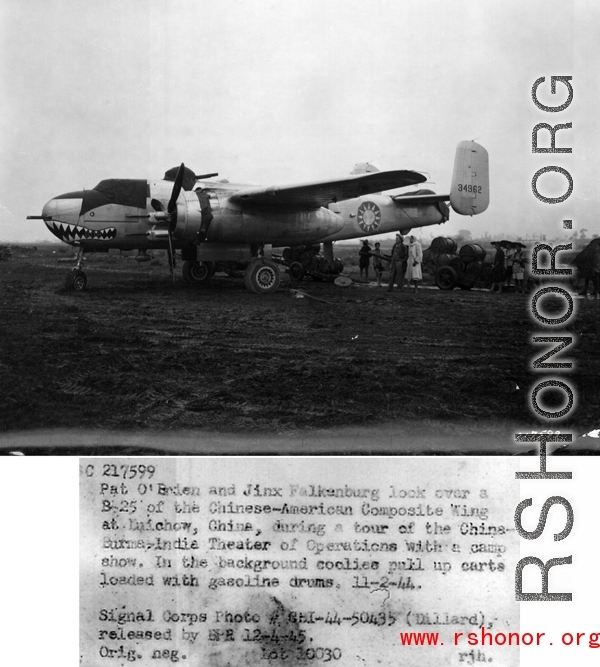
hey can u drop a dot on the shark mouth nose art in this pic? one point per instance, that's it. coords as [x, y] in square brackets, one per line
[66, 232]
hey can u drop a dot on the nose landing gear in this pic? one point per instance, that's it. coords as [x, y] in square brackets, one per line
[76, 279]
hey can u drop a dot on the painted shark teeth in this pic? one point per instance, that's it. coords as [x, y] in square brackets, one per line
[66, 232]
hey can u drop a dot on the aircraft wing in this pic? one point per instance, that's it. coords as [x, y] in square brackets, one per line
[322, 193]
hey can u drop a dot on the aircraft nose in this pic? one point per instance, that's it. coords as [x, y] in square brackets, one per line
[64, 208]
[61, 214]
[49, 209]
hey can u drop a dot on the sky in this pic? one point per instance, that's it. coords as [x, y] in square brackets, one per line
[268, 93]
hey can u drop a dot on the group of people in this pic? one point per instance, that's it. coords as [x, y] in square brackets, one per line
[404, 262]
[510, 261]
[589, 271]
[509, 265]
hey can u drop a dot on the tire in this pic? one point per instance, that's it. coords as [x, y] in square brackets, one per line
[446, 278]
[79, 281]
[262, 276]
[197, 272]
[296, 272]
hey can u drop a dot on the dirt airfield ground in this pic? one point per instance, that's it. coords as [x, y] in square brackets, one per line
[136, 364]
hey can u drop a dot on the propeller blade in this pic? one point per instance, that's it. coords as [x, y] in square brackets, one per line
[171, 257]
[203, 176]
[172, 207]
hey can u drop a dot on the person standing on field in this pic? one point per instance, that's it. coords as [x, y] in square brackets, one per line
[414, 273]
[377, 263]
[364, 257]
[509, 263]
[596, 270]
[398, 254]
[499, 268]
[519, 268]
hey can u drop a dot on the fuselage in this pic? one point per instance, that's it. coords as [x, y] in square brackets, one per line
[381, 214]
[120, 214]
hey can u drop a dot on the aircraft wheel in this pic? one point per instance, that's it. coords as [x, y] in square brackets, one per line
[296, 272]
[197, 272]
[446, 278]
[262, 276]
[79, 281]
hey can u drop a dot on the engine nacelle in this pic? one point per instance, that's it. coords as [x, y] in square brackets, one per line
[189, 218]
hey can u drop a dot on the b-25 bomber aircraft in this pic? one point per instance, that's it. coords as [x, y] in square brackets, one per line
[220, 224]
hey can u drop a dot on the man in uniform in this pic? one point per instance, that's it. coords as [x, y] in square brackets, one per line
[398, 260]
[364, 258]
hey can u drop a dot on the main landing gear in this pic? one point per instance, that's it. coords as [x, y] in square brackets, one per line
[198, 272]
[262, 276]
[76, 279]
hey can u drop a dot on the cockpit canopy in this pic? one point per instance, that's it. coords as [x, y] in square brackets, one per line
[123, 191]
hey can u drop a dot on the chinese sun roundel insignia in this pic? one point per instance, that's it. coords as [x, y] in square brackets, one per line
[369, 217]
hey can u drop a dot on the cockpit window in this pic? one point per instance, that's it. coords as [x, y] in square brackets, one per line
[123, 191]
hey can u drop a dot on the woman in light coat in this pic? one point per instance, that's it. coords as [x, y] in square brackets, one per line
[415, 259]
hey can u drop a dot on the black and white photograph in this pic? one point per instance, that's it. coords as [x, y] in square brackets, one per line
[299, 323]
[305, 227]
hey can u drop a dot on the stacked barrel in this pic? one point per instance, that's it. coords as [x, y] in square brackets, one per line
[465, 268]
[474, 266]
[444, 250]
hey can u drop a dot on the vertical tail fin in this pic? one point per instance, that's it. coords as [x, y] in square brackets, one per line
[470, 190]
